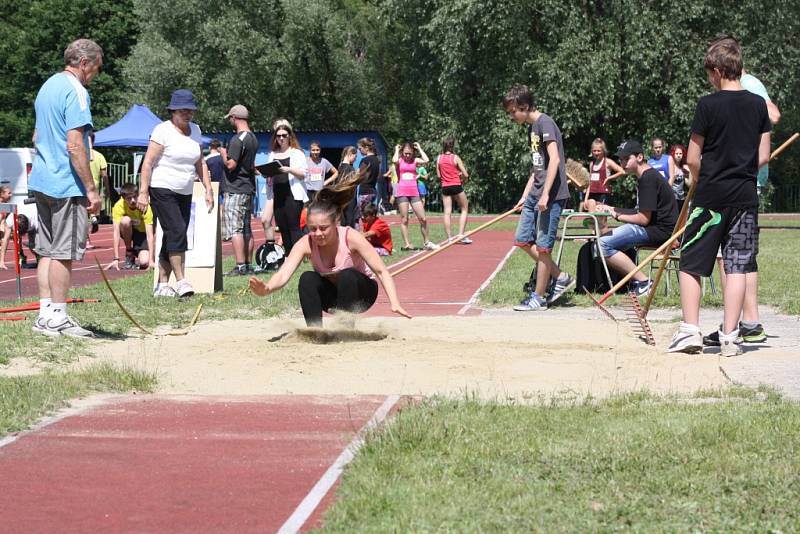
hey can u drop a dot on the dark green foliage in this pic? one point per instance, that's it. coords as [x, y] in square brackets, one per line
[419, 69]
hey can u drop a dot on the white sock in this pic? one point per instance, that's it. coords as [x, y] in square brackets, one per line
[58, 311]
[731, 337]
[44, 308]
[688, 327]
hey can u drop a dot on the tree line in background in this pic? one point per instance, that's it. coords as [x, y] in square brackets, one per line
[412, 69]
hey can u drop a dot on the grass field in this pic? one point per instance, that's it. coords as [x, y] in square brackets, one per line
[723, 462]
[23, 399]
[778, 285]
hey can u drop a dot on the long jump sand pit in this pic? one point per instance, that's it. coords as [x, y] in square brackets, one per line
[495, 356]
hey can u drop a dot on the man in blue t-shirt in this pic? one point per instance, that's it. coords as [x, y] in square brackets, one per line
[62, 183]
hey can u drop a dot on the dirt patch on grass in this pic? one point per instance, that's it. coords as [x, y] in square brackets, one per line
[496, 356]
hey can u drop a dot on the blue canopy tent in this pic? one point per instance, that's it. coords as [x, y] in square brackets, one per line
[132, 130]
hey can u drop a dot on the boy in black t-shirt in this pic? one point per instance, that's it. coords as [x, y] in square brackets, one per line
[543, 199]
[650, 223]
[731, 131]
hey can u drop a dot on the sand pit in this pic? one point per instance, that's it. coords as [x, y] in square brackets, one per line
[495, 356]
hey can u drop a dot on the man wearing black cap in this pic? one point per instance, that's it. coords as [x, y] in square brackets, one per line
[650, 223]
[240, 188]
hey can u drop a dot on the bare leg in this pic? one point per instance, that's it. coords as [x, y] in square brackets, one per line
[238, 248]
[691, 292]
[545, 270]
[60, 278]
[733, 300]
[419, 211]
[266, 220]
[621, 263]
[176, 261]
[447, 201]
[43, 277]
[464, 204]
[403, 207]
[750, 310]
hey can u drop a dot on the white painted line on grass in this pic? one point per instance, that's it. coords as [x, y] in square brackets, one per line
[486, 282]
[307, 506]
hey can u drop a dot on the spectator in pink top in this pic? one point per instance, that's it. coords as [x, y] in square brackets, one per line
[406, 191]
[453, 173]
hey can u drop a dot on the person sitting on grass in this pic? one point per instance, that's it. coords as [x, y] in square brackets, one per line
[344, 263]
[650, 223]
[136, 230]
[376, 231]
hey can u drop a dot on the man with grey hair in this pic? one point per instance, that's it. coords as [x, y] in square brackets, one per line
[62, 183]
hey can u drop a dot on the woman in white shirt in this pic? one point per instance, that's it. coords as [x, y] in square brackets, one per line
[288, 187]
[173, 161]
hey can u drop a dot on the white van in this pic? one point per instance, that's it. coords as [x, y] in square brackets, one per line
[15, 165]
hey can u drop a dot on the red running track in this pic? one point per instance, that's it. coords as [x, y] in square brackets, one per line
[159, 464]
[210, 464]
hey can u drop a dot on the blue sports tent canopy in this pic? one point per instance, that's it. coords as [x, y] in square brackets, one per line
[133, 129]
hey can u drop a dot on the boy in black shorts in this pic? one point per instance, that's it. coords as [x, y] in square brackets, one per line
[731, 131]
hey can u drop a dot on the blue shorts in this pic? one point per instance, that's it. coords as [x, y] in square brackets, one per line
[623, 238]
[422, 188]
[538, 228]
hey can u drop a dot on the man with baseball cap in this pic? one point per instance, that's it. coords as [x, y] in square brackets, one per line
[650, 223]
[240, 188]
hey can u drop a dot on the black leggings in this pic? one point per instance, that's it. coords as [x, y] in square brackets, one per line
[172, 211]
[287, 215]
[352, 292]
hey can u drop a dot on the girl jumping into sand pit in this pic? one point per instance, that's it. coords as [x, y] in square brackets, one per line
[344, 264]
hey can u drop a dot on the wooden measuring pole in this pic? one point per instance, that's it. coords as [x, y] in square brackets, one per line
[444, 247]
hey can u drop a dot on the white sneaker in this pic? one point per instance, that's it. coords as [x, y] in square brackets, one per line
[40, 326]
[728, 345]
[561, 286]
[687, 339]
[430, 245]
[165, 291]
[184, 288]
[65, 327]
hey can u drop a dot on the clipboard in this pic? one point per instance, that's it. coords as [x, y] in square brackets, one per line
[270, 169]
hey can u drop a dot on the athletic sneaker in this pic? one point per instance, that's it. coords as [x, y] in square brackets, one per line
[746, 335]
[728, 346]
[184, 288]
[532, 303]
[752, 335]
[238, 270]
[40, 325]
[130, 263]
[560, 286]
[466, 241]
[687, 339]
[641, 289]
[165, 291]
[430, 245]
[65, 327]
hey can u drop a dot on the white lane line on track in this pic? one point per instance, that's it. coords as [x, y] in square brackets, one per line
[474, 298]
[307, 506]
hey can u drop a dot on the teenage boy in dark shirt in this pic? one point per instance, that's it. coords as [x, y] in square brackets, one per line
[731, 131]
[650, 223]
[543, 200]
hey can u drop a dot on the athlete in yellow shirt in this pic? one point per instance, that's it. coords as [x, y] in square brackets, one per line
[135, 229]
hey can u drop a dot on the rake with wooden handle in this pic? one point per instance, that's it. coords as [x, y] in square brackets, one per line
[682, 219]
[444, 247]
[664, 246]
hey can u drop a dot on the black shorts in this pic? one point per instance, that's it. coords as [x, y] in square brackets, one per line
[735, 230]
[603, 198]
[139, 241]
[452, 190]
[172, 211]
